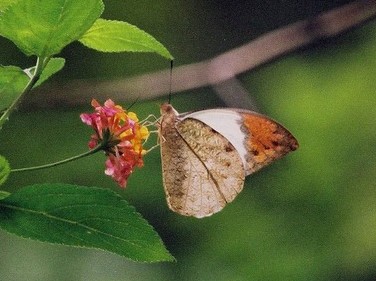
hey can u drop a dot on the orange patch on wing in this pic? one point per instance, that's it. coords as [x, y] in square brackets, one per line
[268, 140]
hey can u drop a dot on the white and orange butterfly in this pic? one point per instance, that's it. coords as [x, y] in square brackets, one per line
[207, 154]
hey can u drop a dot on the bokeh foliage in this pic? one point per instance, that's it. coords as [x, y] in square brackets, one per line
[310, 216]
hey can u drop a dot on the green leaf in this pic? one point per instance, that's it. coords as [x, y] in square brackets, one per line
[12, 82]
[82, 217]
[6, 3]
[3, 194]
[4, 170]
[53, 66]
[44, 27]
[118, 36]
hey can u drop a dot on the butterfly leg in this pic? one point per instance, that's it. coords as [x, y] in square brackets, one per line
[150, 120]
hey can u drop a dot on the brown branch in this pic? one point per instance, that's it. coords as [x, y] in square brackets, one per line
[216, 70]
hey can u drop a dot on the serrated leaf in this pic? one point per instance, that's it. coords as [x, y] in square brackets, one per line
[119, 36]
[4, 170]
[44, 27]
[53, 66]
[12, 82]
[83, 217]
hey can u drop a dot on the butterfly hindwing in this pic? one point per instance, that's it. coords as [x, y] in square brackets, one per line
[202, 170]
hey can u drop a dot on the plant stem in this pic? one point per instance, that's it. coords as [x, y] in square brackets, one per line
[87, 153]
[41, 63]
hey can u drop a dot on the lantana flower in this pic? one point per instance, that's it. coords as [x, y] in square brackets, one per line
[120, 135]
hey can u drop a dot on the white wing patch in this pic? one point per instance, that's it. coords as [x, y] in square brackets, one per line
[228, 122]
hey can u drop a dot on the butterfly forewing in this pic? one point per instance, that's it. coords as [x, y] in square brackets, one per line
[258, 139]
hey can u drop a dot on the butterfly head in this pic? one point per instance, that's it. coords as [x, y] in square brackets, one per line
[168, 119]
[167, 109]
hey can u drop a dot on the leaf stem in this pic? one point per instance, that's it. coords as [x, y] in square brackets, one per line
[87, 153]
[40, 65]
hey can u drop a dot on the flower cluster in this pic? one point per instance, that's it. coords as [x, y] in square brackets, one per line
[120, 135]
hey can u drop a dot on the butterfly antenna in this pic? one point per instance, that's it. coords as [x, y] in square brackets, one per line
[170, 90]
[133, 103]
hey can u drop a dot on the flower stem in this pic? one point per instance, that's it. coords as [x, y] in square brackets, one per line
[87, 153]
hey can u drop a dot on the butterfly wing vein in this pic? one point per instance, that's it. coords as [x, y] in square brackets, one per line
[202, 170]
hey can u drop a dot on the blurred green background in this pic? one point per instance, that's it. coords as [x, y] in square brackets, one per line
[309, 216]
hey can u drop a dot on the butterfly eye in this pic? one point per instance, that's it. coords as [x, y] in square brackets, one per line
[167, 108]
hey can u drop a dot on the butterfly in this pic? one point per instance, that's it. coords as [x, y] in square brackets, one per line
[207, 154]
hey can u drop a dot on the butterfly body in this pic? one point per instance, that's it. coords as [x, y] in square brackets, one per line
[207, 154]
